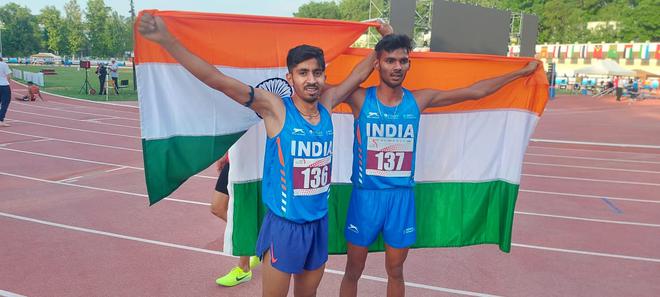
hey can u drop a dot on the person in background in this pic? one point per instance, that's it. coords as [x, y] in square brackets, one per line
[114, 74]
[102, 72]
[219, 206]
[5, 91]
[33, 93]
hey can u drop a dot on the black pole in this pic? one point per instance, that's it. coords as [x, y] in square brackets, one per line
[86, 82]
[134, 76]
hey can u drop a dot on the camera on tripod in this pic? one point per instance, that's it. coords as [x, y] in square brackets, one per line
[85, 64]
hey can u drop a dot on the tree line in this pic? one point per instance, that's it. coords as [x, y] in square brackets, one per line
[97, 31]
[100, 31]
[560, 21]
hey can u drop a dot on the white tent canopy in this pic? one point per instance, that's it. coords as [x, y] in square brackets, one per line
[605, 67]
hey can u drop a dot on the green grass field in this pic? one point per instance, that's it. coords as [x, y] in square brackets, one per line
[69, 80]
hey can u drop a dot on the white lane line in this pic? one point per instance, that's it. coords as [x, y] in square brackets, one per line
[586, 196]
[570, 251]
[26, 141]
[139, 150]
[212, 252]
[606, 144]
[589, 219]
[75, 142]
[115, 235]
[77, 120]
[68, 107]
[593, 180]
[416, 285]
[115, 169]
[594, 159]
[532, 163]
[203, 176]
[88, 161]
[559, 112]
[208, 204]
[76, 129]
[107, 118]
[71, 159]
[592, 150]
[70, 179]
[579, 252]
[212, 177]
[4, 293]
[99, 189]
[591, 167]
[524, 174]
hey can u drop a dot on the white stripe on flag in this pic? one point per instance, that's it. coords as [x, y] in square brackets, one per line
[175, 103]
[465, 147]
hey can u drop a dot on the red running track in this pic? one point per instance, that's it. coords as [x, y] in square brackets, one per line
[74, 219]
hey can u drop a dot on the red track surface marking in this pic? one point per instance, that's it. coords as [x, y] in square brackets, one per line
[74, 219]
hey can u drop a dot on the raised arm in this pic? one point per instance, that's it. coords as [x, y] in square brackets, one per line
[334, 95]
[480, 89]
[266, 104]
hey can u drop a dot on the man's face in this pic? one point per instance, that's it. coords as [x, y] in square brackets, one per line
[393, 66]
[307, 79]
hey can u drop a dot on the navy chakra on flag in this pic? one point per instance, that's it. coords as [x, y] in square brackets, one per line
[277, 86]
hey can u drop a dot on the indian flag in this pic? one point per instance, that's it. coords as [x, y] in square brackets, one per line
[469, 155]
[186, 125]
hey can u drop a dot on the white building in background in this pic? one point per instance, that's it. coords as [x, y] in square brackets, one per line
[45, 58]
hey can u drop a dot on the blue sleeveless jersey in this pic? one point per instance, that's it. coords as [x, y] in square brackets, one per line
[385, 143]
[297, 167]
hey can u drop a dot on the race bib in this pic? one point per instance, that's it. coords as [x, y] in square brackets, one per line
[311, 176]
[389, 157]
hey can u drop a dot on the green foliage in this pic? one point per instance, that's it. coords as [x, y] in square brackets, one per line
[101, 32]
[358, 10]
[97, 17]
[641, 22]
[53, 29]
[98, 31]
[355, 10]
[20, 31]
[73, 23]
[318, 10]
[563, 21]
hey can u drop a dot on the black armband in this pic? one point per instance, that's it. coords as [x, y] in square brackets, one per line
[249, 103]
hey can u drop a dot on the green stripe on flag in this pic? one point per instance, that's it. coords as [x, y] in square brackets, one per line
[448, 215]
[171, 161]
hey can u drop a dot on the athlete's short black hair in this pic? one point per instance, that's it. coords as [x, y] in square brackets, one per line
[393, 42]
[303, 53]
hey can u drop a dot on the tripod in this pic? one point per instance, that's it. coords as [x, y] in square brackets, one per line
[86, 85]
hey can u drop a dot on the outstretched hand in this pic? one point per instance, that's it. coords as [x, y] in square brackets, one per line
[153, 28]
[384, 29]
[530, 68]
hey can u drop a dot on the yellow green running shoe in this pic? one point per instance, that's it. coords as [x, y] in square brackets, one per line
[254, 262]
[235, 277]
